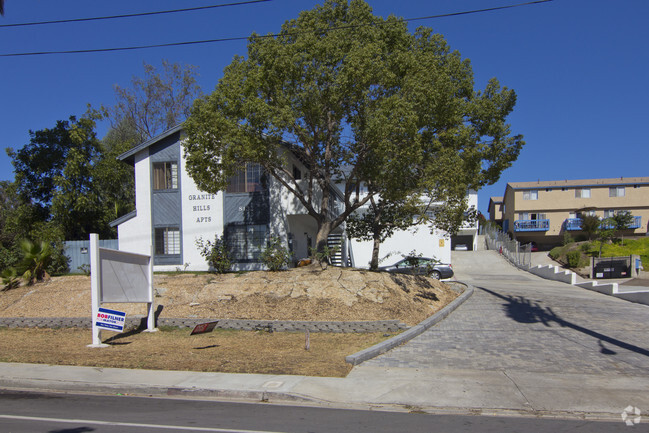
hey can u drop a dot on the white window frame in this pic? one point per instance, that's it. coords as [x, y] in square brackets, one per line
[582, 193]
[616, 191]
[531, 194]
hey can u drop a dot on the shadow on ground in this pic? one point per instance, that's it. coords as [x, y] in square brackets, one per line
[522, 310]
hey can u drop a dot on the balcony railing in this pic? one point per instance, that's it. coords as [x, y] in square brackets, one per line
[531, 225]
[575, 224]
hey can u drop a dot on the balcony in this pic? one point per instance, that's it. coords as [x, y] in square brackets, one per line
[575, 224]
[531, 225]
[636, 224]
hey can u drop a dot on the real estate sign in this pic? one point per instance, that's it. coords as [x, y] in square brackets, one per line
[110, 319]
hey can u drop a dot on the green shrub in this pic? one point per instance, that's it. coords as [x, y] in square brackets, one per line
[324, 257]
[36, 259]
[585, 247]
[555, 253]
[10, 279]
[216, 254]
[573, 258]
[275, 256]
[567, 238]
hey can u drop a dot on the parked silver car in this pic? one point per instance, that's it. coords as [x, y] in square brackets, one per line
[420, 266]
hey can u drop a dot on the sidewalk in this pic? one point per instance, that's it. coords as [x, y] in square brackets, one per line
[394, 389]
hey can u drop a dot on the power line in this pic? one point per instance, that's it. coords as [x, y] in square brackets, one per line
[141, 14]
[240, 38]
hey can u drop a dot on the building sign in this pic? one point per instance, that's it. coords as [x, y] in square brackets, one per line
[110, 319]
[201, 207]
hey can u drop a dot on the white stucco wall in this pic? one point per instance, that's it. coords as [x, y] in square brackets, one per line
[202, 217]
[435, 245]
[135, 234]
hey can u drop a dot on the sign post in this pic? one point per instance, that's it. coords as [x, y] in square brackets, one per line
[118, 277]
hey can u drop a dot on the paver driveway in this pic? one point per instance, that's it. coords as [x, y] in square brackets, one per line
[517, 321]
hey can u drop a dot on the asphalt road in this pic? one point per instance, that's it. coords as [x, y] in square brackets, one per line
[30, 412]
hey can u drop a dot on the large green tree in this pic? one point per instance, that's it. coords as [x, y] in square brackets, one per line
[358, 98]
[69, 183]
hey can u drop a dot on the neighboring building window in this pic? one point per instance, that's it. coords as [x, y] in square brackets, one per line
[246, 180]
[165, 175]
[531, 194]
[297, 174]
[531, 216]
[167, 240]
[246, 242]
[582, 193]
[616, 191]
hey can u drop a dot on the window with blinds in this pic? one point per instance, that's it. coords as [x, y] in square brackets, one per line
[165, 175]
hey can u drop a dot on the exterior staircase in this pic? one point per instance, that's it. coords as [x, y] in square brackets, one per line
[342, 257]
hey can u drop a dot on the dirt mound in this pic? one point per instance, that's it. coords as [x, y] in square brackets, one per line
[308, 293]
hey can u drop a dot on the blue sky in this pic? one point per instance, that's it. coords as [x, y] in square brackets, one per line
[580, 68]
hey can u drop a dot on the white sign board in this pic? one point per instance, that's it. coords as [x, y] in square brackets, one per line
[110, 319]
[118, 277]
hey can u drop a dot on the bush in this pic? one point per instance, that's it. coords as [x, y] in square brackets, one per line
[555, 253]
[36, 259]
[275, 256]
[573, 258]
[216, 254]
[324, 257]
[10, 279]
[586, 247]
[567, 238]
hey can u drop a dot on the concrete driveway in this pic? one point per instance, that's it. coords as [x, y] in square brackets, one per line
[552, 340]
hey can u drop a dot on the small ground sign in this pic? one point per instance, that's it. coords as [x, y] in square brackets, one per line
[110, 319]
[204, 328]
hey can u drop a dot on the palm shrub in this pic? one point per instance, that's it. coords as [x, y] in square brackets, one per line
[275, 256]
[36, 259]
[10, 279]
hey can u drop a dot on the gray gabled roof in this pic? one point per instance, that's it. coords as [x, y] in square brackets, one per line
[123, 219]
[130, 154]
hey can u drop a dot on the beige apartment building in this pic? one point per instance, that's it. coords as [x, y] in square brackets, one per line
[543, 211]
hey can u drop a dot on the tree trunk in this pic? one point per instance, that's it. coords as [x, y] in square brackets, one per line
[374, 263]
[324, 229]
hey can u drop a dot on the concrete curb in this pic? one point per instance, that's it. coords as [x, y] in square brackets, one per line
[376, 350]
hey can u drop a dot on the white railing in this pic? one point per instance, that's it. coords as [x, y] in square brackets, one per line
[520, 255]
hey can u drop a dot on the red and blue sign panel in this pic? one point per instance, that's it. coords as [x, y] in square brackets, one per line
[110, 319]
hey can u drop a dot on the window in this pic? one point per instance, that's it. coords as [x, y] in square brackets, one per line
[531, 194]
[297, 174]
[246, 242]
[531, 216]
[246, 180]
[582, 193]
[165, 175]
[167, 240]
[616, 191]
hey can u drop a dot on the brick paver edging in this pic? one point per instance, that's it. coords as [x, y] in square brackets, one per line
[135, 322]
[416, 330]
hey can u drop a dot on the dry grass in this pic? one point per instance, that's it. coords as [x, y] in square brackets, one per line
[308, 293]
[173, 349]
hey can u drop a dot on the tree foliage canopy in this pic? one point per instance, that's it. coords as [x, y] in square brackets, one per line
[156, 102]
[359, 98]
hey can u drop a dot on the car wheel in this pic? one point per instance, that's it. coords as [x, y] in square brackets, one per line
[436, 275]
